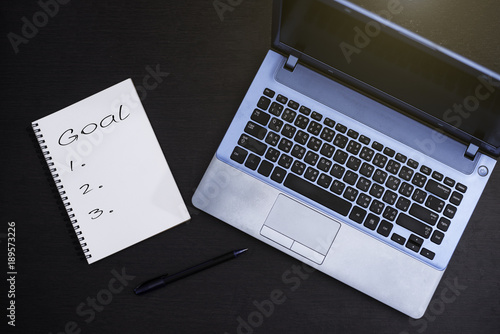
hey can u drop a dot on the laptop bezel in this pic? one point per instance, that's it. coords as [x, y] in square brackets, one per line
[409, 37]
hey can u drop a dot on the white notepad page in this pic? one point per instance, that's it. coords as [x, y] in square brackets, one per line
[111, 171]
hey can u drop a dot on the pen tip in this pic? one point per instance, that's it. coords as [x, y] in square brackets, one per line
[240, 251]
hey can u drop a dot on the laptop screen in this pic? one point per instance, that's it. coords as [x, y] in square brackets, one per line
[444, 89]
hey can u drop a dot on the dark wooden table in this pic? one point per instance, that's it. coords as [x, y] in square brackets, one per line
[82, 47]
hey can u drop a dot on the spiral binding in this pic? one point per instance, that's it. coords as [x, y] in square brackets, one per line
[60, 189]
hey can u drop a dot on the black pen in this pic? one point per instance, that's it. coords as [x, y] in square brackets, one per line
[163, 280]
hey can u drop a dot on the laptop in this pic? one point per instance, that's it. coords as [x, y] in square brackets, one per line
[360, 148]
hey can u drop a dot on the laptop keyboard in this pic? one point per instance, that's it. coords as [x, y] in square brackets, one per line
[347, 172]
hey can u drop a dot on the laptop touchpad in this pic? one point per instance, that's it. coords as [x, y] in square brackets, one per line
[301, 229]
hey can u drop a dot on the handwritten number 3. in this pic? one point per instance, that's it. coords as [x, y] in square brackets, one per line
[96, 212]
[86, 190]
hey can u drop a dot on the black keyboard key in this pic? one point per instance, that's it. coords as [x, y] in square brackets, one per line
[324, 165]
[350, 177]
[367, 170]
[406, 189]
[371, 221]
[416, 239]
[329, 122]
[401, 158]
[384, 228]
[426, 170]
[298, 151]
[424, 214]
[412, 246]
[364, 200]
[443, 224]
[289, 115]
[363, 184]
[260, 117]
[275, 124]
[412, 163]
[288, 131]
[276, 109]
[285, 145]
[272, 154]
[449, 182]
[314, 144]
[340, 140]
[377, 207]
[353, 134]
[294, 105]
[376, 145]
[323, 197]
[314, 128]
[338, 187]
[353, 147]
[376, 190]
[255, 130]
[398, 239]
[390, 197]
[438, 176]
[252, 144]
[438, 189]
[393, 167]
[393, 182]
[379, 176]
[437, 237]
[403, 204]
[366, 154]
[272, 138]
[298, 167]
[456, 198]
[285, 161]
[327, 134]
[311, 174]
[269, 93]
[305, 110]
[340, 156]
[311, 158]
[460, 187]
[350, 194]
[252, 162]
[278, 174]
[450, 211]
[419, 196]
[434, 203]
[301, 121]
[427, 253]
[390, 213]
[265, 168]
[365, 140]
[419, 180]
[379, 160]
[414, 225]
[341, 128]
[406, 173]
[353, 163]
[324, 180]
[389, 151]
[301, 137]
[357, 214]
[317, 116]
[327, 150]
[337, 171]
[239, 155]
[263, 103]
[281, 99]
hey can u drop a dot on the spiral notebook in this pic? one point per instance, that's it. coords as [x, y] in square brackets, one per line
[110, 171]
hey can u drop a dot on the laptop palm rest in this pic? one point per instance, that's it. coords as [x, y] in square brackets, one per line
[300, 229]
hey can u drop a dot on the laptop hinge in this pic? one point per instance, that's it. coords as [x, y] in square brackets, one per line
[291, 62]
[471, 151]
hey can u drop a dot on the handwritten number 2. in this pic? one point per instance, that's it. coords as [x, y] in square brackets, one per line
[86, 190]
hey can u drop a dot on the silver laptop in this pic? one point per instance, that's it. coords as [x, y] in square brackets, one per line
[360, 149]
